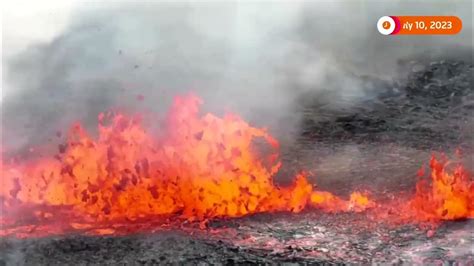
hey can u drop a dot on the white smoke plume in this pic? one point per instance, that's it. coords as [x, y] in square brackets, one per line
[256, 59]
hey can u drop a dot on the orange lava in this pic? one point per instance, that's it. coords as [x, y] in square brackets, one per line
[194, 166]
[445, 195]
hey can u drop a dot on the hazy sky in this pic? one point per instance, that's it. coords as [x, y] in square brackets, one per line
[28, 22]
[69, 60]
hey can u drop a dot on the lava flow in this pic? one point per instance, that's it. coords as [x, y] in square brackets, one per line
[195, 166]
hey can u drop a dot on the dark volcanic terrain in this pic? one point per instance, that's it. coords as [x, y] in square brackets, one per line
[308, 237]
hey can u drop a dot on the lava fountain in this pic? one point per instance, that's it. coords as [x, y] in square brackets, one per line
[192, 167]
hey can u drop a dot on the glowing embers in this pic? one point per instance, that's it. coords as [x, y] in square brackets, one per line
[446, 194]
[194, 166]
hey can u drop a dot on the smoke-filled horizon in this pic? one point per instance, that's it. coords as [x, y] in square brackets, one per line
[254, 59]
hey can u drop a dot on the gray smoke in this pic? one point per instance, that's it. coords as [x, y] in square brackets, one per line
[256, 59]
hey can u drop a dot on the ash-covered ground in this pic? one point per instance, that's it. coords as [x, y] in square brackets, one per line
[377, 145]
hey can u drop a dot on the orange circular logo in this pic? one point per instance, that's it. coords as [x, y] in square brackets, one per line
[386, 25]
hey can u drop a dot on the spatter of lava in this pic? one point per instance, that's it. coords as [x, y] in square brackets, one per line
[193, 166]
[446, 195]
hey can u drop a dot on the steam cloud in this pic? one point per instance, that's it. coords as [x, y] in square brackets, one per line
[254, 59]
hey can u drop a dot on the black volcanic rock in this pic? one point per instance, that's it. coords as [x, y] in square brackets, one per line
[430, 109]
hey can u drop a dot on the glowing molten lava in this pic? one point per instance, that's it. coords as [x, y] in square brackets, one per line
[195, 166]
[449, 195]
[189, 165]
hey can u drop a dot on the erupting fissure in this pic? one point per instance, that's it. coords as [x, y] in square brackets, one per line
[195, 166]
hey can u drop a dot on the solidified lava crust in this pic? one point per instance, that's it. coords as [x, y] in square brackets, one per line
[265, 238]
